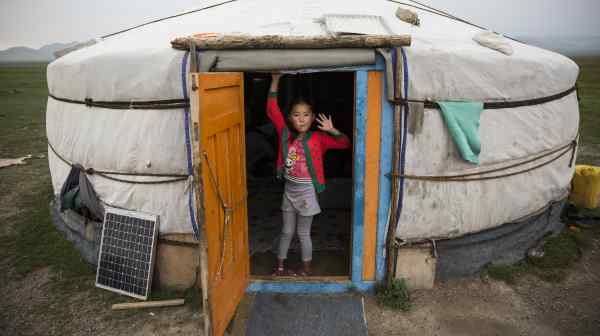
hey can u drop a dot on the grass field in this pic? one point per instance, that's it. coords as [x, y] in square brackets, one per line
[28, 241]
[23, 95]
[31, 249]
[22, 131]
[589, 93]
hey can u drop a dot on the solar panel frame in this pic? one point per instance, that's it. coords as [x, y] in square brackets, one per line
[154, 236]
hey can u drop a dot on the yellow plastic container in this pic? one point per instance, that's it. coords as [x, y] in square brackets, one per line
[586, 187]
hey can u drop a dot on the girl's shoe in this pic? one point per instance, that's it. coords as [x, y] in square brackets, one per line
[281, 271]
[303, 273]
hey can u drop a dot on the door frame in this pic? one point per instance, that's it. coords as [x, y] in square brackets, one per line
[377, 220]
[376, 229]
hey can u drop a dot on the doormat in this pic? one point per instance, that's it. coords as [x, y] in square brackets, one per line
[304, 315]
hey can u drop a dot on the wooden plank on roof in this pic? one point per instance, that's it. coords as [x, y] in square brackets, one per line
[228, 42]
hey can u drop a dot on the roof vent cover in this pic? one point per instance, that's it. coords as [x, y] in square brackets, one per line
[344, 24]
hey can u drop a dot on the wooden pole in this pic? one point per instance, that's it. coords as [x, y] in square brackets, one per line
[202, 273]
[227, 42]
[148, 304]
[392, 250]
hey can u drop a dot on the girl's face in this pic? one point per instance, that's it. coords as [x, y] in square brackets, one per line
[302, 117]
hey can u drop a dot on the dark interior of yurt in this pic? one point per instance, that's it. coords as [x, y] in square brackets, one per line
[329, 93]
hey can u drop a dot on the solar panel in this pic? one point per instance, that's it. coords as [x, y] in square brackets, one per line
[127, 250]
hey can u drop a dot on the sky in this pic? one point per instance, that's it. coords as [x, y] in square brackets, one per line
[34, 23]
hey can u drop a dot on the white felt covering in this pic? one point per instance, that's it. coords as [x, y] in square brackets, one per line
[444, 64]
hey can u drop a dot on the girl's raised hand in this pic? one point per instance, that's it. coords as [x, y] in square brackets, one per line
[326, 124]
[275, 81]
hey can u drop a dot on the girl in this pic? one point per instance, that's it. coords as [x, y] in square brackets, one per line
[300, 162]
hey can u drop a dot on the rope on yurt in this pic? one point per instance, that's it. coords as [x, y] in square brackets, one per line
[435, 11]
[448, 238]
[227, 213]
[494, 105]
[168, 17]
[447, 15]
[405, 113]
[467, 177]
[444, 13]
[165, 104]
[135, 182]
[188, 146]
[105, 173]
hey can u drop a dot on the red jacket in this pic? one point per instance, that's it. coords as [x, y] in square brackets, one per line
[315, 144]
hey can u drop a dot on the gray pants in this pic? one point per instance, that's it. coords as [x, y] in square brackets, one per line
[292, 221]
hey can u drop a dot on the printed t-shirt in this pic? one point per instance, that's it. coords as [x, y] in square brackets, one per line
[296, 169]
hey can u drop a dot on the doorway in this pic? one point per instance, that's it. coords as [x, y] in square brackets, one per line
[331, 93]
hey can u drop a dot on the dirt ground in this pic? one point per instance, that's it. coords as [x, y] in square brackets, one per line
[44, 303]
[483, 306]
[32, 307]
[47, 300]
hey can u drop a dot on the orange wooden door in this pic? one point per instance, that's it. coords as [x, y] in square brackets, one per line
[220, 98]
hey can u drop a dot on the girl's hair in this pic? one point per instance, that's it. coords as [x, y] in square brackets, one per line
[300, 101]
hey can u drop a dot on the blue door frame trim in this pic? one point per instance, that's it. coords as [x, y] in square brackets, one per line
[355, 282]
[358, 211]
[385, 185]
[188, 145]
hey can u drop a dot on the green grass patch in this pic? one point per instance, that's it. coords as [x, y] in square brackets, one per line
[36, 242]
[32, 242]
[28, 240]
[560, 253]
[396, 296]
[23, 96]
[507, 273]
[588, 84]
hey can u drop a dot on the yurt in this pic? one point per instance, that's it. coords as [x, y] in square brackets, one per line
[463, 143]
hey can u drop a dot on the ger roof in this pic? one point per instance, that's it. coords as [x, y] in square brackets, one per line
[139, 63]
[285, 17]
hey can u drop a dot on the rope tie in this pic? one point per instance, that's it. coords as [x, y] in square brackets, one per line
[185, 102]
[106, 174]
[494, 105]
[574, 144]
[435, 11]
[163, 104]
[168, 17]
[571, 146]
[227, 214]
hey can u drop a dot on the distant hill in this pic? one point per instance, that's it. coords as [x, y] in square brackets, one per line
[25, 54]
[567, 45]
